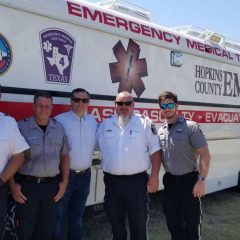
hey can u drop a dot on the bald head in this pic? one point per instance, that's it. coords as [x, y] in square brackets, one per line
[124, 97]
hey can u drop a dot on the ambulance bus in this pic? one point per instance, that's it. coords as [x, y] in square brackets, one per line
[59, 45]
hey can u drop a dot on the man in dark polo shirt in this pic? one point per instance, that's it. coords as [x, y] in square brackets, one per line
[42, 180]
[184, 181]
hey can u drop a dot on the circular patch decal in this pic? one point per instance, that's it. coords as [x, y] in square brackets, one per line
[5, 55]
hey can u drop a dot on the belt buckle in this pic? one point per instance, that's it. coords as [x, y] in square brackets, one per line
[80, 172]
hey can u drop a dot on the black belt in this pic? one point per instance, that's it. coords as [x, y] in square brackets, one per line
[79, 172]
[184, 176]
[125, 176]
[30, 178]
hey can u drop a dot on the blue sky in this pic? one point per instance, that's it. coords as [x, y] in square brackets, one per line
[220, 16]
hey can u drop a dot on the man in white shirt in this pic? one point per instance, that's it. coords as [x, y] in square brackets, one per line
[129, 146]
[12, 146]
[81, 130]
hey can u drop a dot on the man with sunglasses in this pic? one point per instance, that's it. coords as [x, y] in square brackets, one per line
[184, 181]
[129, 146]
[81, 130]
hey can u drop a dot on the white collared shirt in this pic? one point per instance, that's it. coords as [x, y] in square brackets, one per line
[81, 133]
[11, 140]
[127, 151]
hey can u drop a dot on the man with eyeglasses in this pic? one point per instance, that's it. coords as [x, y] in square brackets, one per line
[129, 146]
[81, 130]
[182, 141]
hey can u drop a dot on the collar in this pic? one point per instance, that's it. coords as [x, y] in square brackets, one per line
[180, 120]
[33, 123]
[77, 117]
[2, 115]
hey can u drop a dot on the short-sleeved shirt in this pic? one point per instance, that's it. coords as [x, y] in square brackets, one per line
[81, 133]
[43, 159]
[127, 151]
[179, 144]
[11, 141]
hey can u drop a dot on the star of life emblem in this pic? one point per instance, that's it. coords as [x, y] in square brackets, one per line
[129, 69]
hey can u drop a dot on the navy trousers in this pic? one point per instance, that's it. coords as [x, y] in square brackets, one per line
[73, 203]
[181, 208]
[36, 218]
[126, 197]
[3, 209]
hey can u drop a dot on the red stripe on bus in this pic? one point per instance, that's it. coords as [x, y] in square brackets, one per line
[23, 110]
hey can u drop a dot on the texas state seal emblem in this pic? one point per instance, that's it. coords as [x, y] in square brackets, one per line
[5, 55]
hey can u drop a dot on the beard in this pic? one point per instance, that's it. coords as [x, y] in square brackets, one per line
[123, 121]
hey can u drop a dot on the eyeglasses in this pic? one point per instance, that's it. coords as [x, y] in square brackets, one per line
[78, 100]
[167, 105]
[124, 103]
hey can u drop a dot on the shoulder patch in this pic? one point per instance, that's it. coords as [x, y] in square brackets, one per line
[153, 128]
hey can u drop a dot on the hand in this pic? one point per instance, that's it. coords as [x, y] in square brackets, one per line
[17, 194]
[61, 191]
[199, 189]
[153, 184]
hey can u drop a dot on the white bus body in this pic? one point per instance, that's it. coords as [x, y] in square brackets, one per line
[59, 45]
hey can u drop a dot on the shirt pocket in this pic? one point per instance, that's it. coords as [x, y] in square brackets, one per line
[134, 134]
[108, 140]
[35, 147]
[55, 145]
[137, 140]
[108, 134]
[180, 141]
[180, 137]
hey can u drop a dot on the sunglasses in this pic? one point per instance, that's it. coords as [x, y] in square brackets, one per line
[83, 100]
[167, 105]
[124, 103]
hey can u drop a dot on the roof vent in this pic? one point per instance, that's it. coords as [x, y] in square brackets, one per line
[127, 8]
[203, 34]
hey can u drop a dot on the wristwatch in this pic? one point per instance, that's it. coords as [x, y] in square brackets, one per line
[201, 178]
